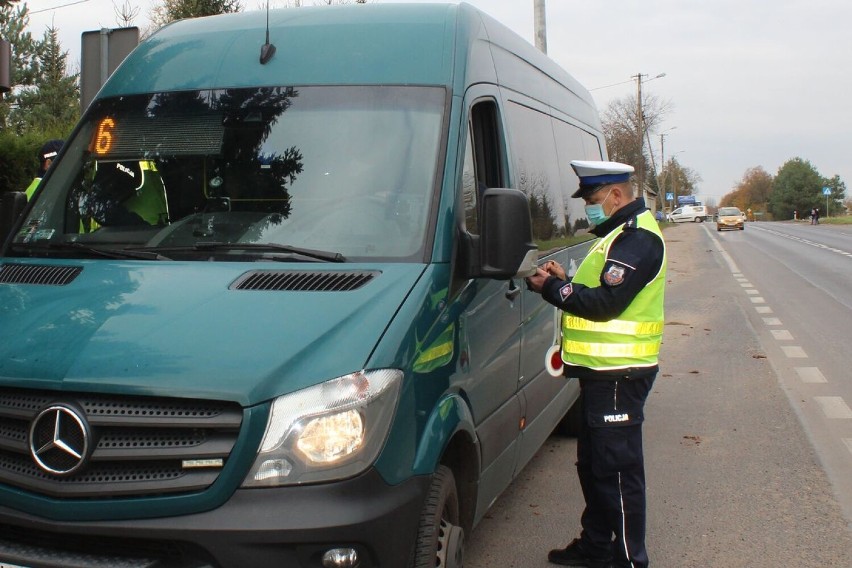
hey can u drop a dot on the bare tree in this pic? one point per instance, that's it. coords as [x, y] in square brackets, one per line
[171, 10]
[125, 14]
[621, 127]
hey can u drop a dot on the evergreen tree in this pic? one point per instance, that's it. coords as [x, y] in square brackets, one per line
[14, 22]
[53, 105]
[797, 187]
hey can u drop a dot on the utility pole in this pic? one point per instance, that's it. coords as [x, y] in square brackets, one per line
[663, 163]
[640, 122]
[5, 66]
[665, 172]
[540, 26]
[640, 126]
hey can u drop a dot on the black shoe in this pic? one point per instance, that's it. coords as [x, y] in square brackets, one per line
[574, 555]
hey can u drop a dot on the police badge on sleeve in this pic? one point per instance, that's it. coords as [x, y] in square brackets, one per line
[614, 275]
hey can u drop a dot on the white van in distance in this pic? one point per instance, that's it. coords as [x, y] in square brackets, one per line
[692, 213]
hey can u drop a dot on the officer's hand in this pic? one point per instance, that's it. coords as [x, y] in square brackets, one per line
[536, 281]
[553, 268]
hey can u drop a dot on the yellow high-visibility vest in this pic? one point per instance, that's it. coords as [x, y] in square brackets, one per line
[631, 340]
[149, 201]
[32, 187]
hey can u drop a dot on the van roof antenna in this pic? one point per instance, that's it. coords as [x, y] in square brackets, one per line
[267, 50]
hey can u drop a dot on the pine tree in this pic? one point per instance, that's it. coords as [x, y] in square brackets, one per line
[53, 104]
[14, 22]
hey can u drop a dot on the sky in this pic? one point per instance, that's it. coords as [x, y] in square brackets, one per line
[749, 83]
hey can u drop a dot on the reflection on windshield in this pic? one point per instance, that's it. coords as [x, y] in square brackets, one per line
[348, 170]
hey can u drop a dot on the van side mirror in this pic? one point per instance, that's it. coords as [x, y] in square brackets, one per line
[506, 247]
[12, 204]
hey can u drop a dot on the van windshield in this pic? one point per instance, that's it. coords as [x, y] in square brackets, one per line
[344, 172]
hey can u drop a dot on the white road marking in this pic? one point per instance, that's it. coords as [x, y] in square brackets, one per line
[752, 292]
[811, 375]
[807, 242]
[834, 406]
[763, 309]
[772, 321]
[757, 300]
[794, 352]
[781, 334]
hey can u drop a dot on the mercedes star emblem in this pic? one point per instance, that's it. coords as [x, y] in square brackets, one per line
[59, 439]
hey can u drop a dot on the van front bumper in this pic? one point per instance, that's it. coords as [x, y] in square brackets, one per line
[290, 527]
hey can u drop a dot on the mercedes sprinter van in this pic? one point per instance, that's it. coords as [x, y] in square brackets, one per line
[267, 307]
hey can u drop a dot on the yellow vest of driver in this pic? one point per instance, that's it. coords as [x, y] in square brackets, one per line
[632, 339]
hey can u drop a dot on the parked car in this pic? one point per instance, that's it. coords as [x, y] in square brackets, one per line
[691, 213]
[730, 218]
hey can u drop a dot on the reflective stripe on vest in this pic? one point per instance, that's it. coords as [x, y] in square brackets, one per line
[631, 340]
[614, 326]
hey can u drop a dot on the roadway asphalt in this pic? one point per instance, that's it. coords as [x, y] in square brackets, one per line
[733, 480]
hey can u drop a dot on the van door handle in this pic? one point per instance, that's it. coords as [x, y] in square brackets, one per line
[513, 291]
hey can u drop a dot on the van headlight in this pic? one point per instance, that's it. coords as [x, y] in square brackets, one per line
[332, 430]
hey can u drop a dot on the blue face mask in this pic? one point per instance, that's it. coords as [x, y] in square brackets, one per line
[595, 212]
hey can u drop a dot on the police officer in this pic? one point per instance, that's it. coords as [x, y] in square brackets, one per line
[612, 324]
[46, 154]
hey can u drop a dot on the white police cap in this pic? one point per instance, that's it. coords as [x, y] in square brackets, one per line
[595, 174]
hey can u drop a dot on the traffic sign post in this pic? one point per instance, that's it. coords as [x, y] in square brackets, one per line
[103, 51]
[826, 191]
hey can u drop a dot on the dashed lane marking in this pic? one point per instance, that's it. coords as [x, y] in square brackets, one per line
[763, 309]
[811, 375]
[834, 406]
[794, 352]
[757, 300]
[772, 321]
[781, 334]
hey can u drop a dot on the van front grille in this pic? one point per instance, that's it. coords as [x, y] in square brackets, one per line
[138, 446]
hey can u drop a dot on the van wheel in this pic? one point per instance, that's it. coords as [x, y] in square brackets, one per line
[699, 219]
[440, 539]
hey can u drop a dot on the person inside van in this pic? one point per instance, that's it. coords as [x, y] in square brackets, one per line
[46, 154]
[126, 193]
[612, 326]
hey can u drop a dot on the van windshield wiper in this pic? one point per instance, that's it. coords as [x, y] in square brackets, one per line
[325, 256]
[90, 250]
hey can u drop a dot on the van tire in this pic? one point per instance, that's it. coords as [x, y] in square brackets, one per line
[440, 537]
[699, 219]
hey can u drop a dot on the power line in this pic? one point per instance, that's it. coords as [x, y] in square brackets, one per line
[613, 85]
[57, 7]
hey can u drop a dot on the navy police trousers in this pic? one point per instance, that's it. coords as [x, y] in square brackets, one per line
[611, 467]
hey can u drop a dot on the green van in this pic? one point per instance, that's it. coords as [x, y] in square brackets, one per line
[267, 307]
